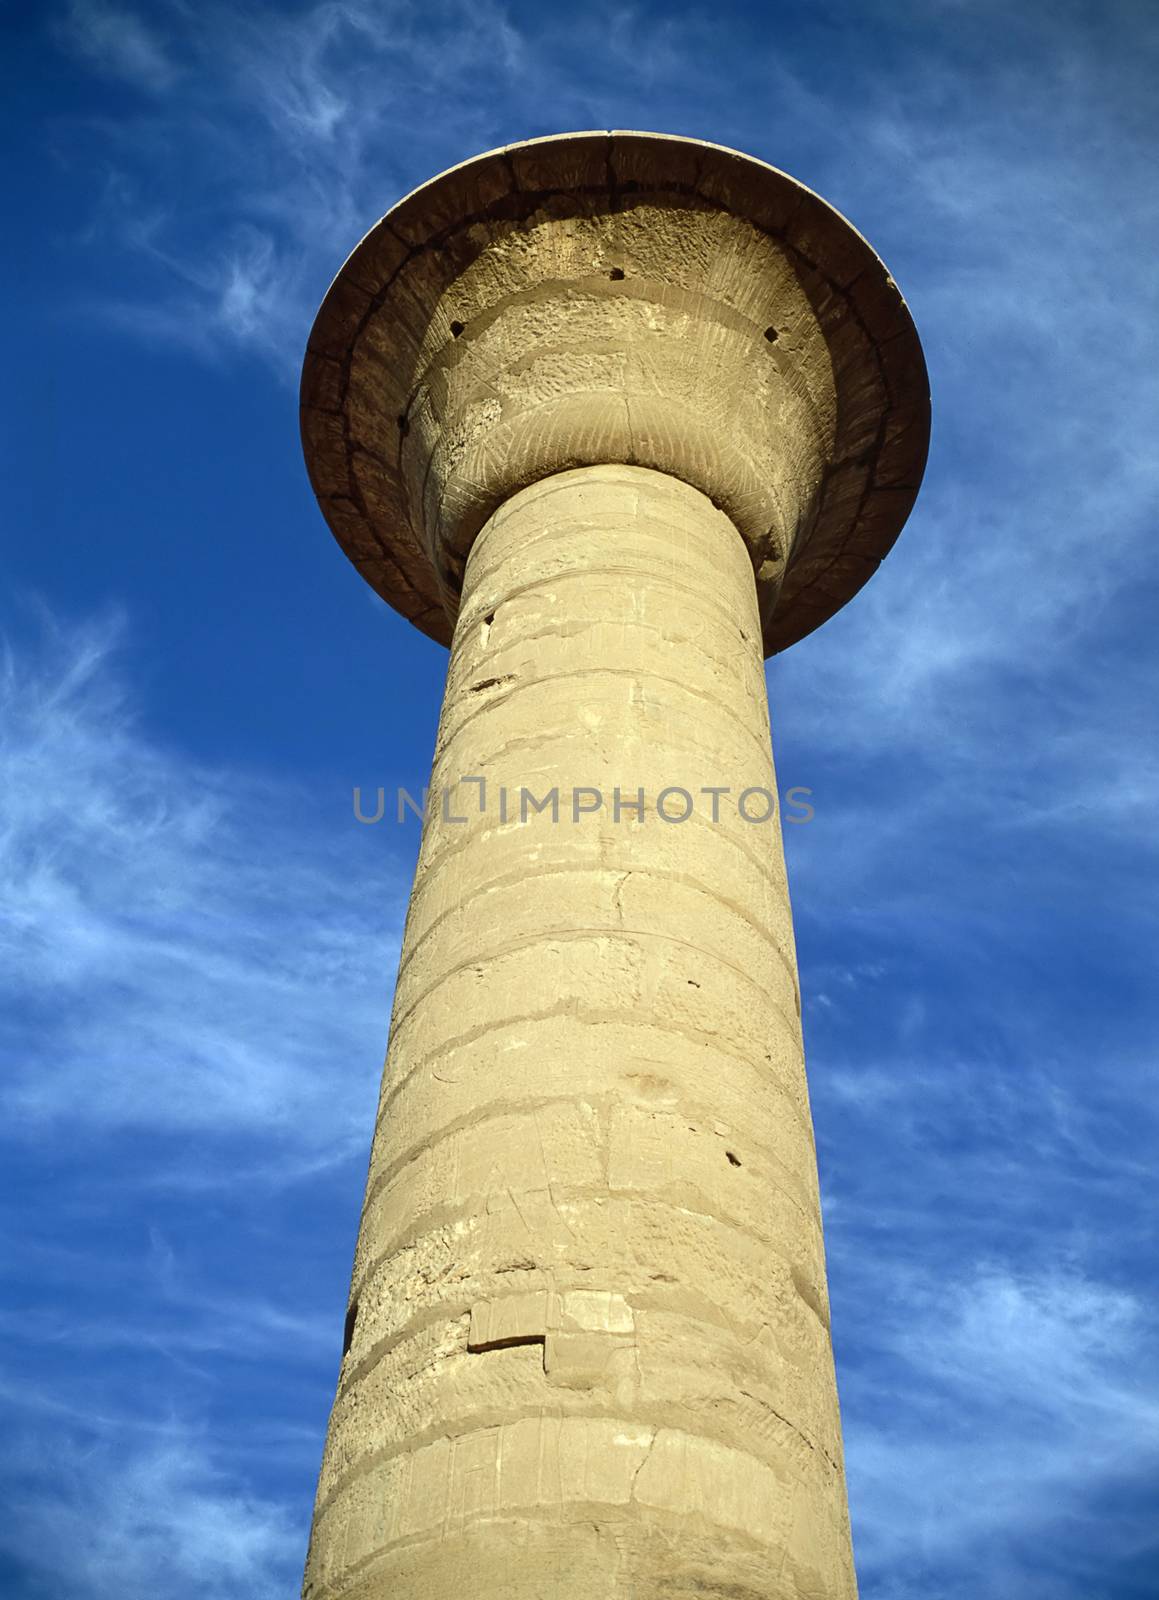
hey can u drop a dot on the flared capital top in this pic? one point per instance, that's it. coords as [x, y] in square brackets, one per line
[616, 297]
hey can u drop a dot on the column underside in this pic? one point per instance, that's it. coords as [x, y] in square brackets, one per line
[589, 1348]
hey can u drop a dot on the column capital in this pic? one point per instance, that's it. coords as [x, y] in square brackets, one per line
[616, 297]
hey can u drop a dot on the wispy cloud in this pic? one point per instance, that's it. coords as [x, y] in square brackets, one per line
[295, 131]
[994, 1411]
[143, 1516]
[195, 973]
[116, 41]
[184, 957]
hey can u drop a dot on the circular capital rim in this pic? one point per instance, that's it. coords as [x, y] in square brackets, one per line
[867, 490]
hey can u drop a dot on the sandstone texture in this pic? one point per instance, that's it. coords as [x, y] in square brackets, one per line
[616, 415]
[616, 297]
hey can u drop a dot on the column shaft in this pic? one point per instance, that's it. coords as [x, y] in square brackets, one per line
[589, 1350]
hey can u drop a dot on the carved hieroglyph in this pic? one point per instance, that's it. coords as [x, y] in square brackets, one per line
[615, 415]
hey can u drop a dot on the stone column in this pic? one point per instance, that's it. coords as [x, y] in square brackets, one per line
[587, 1343]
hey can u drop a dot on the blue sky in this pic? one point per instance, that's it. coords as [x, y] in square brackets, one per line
[198, 941]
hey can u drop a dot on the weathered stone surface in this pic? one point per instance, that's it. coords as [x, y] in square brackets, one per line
[617, 297]
[589, 1285]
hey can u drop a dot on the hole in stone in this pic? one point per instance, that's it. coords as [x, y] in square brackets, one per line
[616, 274]
[457, 328]
[348, 1328]
[489, 618]
[403, 426]
[733, 1161]
[771, 335]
